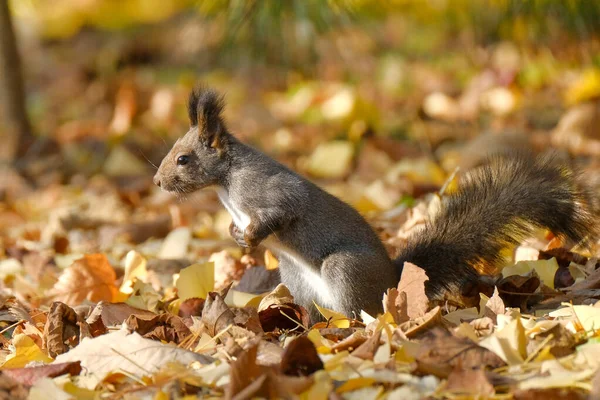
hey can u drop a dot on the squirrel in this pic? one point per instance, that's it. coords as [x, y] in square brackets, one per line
[330, 255]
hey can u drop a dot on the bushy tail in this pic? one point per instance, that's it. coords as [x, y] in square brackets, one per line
[496, 207]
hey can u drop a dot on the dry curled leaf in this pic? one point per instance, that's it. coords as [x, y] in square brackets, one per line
[300, 358]
[62, 329]
[167, 328]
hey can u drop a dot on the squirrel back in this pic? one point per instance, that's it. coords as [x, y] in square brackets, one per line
[496, 207]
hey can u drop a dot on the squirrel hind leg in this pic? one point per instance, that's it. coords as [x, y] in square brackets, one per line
[358, 281]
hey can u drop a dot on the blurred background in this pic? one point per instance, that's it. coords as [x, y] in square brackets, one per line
[377, 101]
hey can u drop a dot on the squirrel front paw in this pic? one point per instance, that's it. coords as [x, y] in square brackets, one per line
[238, 235]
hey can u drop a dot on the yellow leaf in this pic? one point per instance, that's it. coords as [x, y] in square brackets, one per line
[26, 351]
[319, 341]
[271, 261]
[242, 299]
[509, 343]
[135, 267]
[320, 389]
[196, 281]
[336, 319]
[354, 384]
[546, 269]
[144, 296]
[585, 88]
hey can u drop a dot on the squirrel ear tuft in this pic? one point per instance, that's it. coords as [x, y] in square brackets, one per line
[204, 109]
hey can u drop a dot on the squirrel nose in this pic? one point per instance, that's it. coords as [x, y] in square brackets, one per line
[156, 180]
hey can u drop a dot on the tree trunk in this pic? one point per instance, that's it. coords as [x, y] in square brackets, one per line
[15, 130]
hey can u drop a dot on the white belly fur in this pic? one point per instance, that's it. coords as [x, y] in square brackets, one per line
[322, 294]
[240, 219]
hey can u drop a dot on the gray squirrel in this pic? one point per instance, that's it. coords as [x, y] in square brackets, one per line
[328, 254]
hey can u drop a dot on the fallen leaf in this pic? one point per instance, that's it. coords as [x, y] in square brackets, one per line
[216, 315]
[62, 329]
[284, 317]
[334, 318]
[367, 350]
[114, 314]
[166, 328]
[300, 358]
[135, 268]
[280, 295]
[494, 306]
[440, 352]
[25, 351]
[197, 280]
[465, 381]
[412, 282]
[396, 303]
[129, 352]
[509, 343]
[191, 307]
[28, 376]
[89, 278]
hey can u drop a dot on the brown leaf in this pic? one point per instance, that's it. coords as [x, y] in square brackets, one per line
[367, 350]
[300, 358]
[191, 307]
[414, 328]
[440, 352]
[114, 314]
[164, 327]
[412, 282]
[337, 334]
[247, 317]
[352, 342]
[284, 317]
[28, 376]
[89, 278]
[244, 371]
[517, 289]
[561, 343]
[61, 327]
[465, 381]
[564, 257]
[396, 303]
[216, 315]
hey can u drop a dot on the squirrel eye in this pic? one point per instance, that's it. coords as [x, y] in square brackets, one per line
[182, 160]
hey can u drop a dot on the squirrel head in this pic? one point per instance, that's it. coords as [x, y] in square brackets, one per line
[198, 159]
